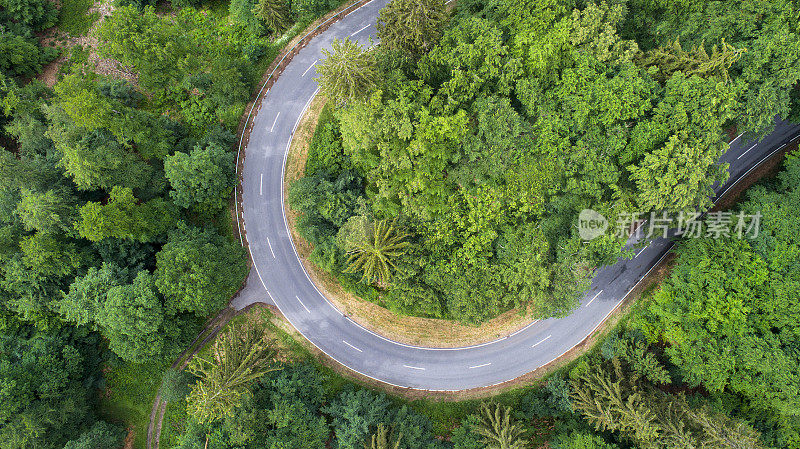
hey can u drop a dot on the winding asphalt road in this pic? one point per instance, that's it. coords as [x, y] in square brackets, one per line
[279, 277]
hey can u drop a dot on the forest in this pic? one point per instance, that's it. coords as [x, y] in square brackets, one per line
[449, 178]
[115, 234]
[443, 181]
[708, 359]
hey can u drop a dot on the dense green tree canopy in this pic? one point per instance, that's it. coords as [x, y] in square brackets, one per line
[728, 310]
[87, 295]
[95, 172]
[21, 55]
[198, 270]
[519, 116]
[100, 435]
[133, 319]
[201, 178]
[123, 216]
[163, 51]
[357, 415]
[45, 396]
[26, 16]
[765, 72]
[52, 211]
[614, 399]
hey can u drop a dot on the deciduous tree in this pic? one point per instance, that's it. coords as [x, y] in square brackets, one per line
[20, 57]
[203, 178]
[87, 295]
[133, 319]
[99, 160]
[124, 216]
[198, 270]
[53, 211]
[100, 435]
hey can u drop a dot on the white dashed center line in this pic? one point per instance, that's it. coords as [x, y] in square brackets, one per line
[542, 341]
[301, 303]
[270, 248]
[348, 344]
[746, 151]
[309, 67]
[261, 184]
[480, 366]
[273, 123]
[414, 367]
[641, 251]
[362, 29]
[595, 297]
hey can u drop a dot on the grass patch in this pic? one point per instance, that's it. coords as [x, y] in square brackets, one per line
[74, 18]
[131, 389]
[174, 425]
[445, 416]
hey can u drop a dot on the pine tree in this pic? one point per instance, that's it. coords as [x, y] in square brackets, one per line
[381, 439]
[615, 402]
[412, 26]
[274, 14]
[237, 358]
[720, 431]
[673, 58]
[499, 429]
[348, 71]
[618, 400]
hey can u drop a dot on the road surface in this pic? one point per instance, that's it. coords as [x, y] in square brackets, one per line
[279, 277]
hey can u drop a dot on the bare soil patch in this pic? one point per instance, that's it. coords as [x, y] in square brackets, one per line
[103, 66]
[129, 438]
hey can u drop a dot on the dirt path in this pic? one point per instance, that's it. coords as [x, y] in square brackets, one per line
[157, 417]
[211, 329]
